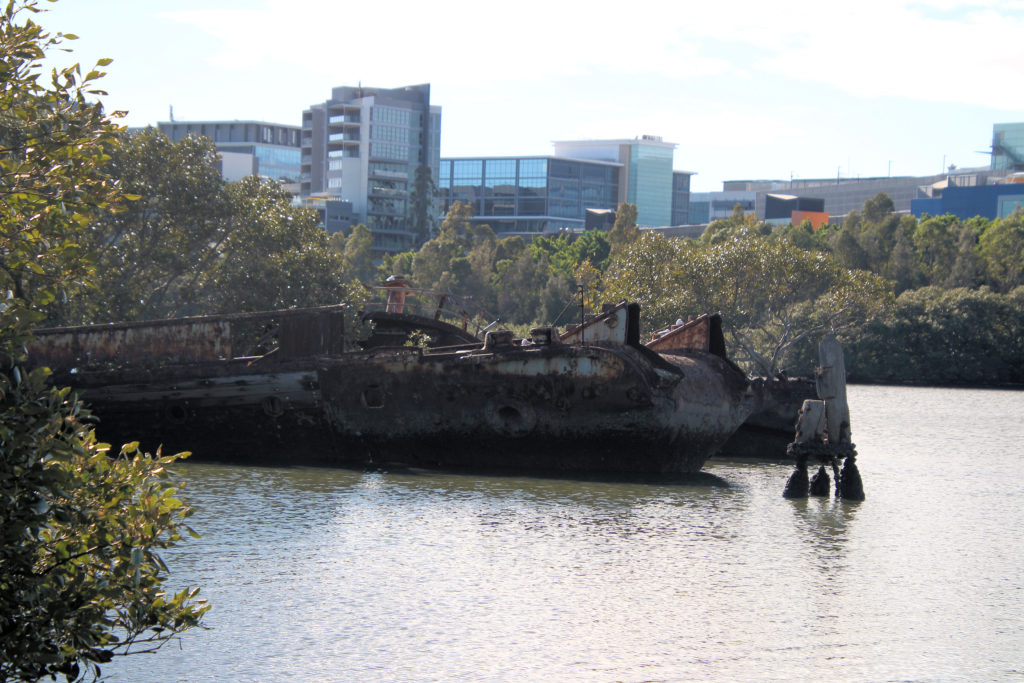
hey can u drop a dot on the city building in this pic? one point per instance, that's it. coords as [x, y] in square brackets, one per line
[247, 147]
[370, 147]
[531, 194]
[1008, 147]
[840, 195]
[681, 197]
[646, 178]
[710, 206]
[997, 200]
[577, 188]
[336, 215]
[783, 209]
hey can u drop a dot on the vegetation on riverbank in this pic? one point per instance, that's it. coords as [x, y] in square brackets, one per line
[934, 300]
[81, 578]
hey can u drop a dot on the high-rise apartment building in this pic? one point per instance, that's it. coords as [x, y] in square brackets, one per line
[646, 178]
[370, 147]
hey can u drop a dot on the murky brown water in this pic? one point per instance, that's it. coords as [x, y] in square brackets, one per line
[324, 575]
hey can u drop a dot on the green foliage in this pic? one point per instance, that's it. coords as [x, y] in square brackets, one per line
[944, 336]
[801, 236]
[772, 295]
[273, 256]
[647, 273]
[192, 244]
[53, 145]
[356, 250]
[458, 218]
[1001, 247]
[625, 230]
[941, 251]
[151, 254]
[422, 203]
[738, 225]
[878, 207]
[565, 253]
[80, 576]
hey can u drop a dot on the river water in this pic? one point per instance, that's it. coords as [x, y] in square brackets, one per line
[335, 575]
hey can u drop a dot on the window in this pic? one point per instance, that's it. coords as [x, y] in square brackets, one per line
[533, 168]
[468, 169]
[501, 168]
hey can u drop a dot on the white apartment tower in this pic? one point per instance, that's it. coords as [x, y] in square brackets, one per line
[365, 146]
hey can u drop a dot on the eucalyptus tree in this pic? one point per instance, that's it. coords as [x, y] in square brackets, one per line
[772, 295]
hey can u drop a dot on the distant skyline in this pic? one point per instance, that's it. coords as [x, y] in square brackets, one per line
[747, 90]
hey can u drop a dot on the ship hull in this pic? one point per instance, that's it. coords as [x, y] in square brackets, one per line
[561, 408]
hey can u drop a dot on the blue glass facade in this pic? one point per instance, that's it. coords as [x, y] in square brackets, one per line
[528, 194]
[275, 147]
[650, 184]
[1008, 147]
[279, 163]
[681, 198]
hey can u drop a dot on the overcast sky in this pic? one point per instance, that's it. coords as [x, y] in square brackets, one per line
[746, 89]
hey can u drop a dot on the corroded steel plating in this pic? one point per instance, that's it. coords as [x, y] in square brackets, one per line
[591, 400]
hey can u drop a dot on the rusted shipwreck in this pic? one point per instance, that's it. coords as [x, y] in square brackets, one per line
[591, 399]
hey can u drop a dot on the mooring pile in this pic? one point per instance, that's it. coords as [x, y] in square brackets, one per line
[823, 434]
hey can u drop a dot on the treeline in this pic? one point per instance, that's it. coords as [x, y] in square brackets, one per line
[933, 301]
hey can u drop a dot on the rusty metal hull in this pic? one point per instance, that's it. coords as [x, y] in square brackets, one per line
[556, 408]
[771, 427]
[227, 411]
[591, 400]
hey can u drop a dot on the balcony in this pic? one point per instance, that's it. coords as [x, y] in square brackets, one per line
[344, 120]
[396, 175]
[387, 192]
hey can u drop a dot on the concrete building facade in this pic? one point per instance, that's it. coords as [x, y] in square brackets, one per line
[367, 146]
[247, 148]
[709, 206]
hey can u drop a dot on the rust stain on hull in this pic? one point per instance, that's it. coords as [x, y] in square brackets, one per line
[607, 405]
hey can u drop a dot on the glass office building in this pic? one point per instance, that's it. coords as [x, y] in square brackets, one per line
[650, 184]
[646, 178]
[273, 148]
[681, 197]
[529, 194]
[1008, 147]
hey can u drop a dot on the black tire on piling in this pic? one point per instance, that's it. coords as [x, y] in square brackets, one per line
[851, 487]
[797, 484]
[821, 484]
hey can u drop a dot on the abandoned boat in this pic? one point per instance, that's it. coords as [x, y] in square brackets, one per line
[775, 401]
[593, 399]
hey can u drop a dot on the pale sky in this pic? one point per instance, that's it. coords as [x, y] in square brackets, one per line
[809, 88]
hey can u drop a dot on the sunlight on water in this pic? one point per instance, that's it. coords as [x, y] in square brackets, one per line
[335, 575]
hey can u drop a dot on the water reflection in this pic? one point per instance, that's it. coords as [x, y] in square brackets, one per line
[319, 574]
[823, 526]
